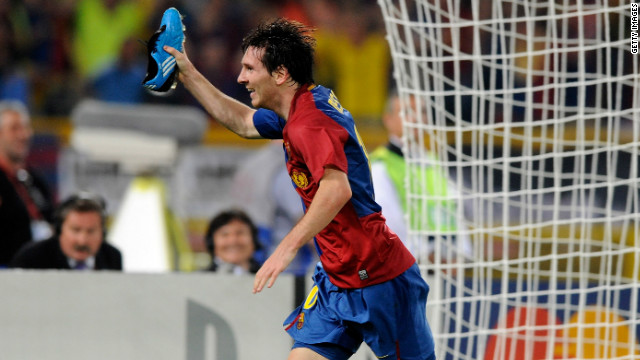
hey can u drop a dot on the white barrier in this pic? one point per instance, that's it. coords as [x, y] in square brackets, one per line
[64, 315]
[67, 315]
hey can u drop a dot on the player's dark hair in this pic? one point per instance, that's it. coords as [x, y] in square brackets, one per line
[225, 218]
[286, 43]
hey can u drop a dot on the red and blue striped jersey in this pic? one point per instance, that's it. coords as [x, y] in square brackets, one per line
[356, 249]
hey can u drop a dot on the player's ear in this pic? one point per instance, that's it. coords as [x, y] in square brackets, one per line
[281, 75]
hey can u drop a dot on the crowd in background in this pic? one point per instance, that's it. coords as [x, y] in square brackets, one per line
[57, 53]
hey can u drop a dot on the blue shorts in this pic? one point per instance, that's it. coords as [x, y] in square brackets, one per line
[390, 317]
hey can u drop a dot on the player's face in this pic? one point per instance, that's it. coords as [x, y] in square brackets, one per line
[233, 243]
[257, 79]
[81, 235]
[15, 136]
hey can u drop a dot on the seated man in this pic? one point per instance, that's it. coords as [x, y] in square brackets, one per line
[79, 240]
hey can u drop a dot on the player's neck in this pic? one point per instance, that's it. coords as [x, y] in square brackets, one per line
[288, 95]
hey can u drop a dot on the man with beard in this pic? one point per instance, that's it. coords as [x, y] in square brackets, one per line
[79, 240]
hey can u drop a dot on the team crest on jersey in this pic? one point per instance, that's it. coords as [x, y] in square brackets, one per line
[300, 323]
[300, 179]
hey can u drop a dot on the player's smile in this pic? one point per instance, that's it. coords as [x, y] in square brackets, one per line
[255, 77]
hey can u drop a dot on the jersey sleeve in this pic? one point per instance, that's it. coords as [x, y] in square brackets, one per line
[322, 146]
[268, 124]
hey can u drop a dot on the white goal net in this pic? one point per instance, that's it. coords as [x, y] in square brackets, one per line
[532, 110]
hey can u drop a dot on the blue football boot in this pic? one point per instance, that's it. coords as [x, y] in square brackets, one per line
[161, 69]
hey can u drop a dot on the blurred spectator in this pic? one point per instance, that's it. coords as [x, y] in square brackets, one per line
[232, 242]
[121, 81]
[216, 32]
[436, 211]
[14, 81]
[292, 9]
[324, 16]
[221, 18]
[53, 47]
[56, 50]
[26, 205]
[56, 85]
[219, 65]
[355, 61]
[40, 31]
[101, 27]
[388, 170]
[79, 242]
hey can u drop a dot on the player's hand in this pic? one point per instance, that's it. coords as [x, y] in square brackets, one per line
[182, 60]
[274, 266]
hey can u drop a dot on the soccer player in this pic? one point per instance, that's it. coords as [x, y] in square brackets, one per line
[367, 284]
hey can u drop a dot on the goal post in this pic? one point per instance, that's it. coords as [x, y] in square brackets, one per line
[532, 110]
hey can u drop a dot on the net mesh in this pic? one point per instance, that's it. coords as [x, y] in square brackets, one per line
[532, 111]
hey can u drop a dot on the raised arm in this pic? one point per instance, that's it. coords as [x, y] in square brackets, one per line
[229, 112]
[333, 193]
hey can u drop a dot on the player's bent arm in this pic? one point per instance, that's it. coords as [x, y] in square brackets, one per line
[229, 112]
[333, 193]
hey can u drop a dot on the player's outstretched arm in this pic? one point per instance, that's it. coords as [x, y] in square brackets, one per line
[231, 113]
[333, 193]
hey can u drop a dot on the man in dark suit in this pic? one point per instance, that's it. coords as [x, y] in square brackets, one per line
[79, 240]
[26, 204]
